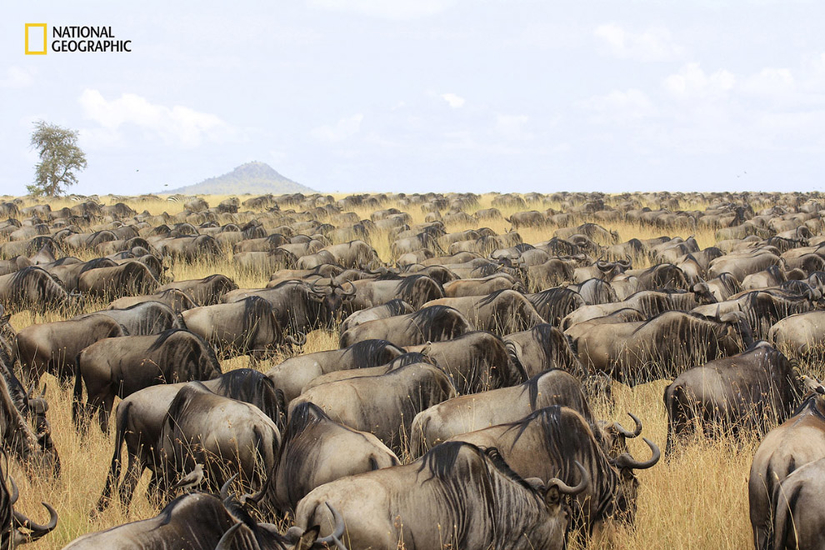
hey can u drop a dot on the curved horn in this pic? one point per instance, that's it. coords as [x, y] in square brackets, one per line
[568, 490]
[36, 529]
[314, 289]
[627, 433]
[299, 341]
[337, 532]
[15, 492]
[626, 461]
[352, 287]
[225, 487]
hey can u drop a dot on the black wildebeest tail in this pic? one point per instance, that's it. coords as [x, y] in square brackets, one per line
[77, 397]
[114, 470]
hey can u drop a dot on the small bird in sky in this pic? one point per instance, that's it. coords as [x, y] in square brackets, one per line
[190, 480]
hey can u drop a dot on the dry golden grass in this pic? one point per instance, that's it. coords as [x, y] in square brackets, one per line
[696, 499]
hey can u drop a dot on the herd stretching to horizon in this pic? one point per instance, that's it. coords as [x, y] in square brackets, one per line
[457, 410]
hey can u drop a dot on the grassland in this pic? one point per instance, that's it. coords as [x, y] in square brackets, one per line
[696, 499]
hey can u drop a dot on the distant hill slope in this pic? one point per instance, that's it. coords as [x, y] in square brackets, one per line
[257, 178]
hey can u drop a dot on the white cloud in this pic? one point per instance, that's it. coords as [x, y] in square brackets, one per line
[17, 77]
[770, 82]
[512, 127]
[692, 82]
[453, 100]
[174, 125]
[655, 44]
[387, 9]
[345, 128]
[619, 106]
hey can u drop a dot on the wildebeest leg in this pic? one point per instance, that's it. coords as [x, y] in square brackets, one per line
[105, 411]
[130, 480]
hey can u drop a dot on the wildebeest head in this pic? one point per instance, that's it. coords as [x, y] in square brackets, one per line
[16, 528]
[625, 463]
[331, 298]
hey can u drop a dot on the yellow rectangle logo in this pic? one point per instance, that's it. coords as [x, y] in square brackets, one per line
[35, 43]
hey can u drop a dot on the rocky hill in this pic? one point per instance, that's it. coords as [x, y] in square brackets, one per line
[257, 178]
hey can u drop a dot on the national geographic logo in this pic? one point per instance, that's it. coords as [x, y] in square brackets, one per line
[73, 39]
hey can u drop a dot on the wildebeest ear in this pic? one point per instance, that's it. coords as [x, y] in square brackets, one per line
[308, 538]
[552, 497]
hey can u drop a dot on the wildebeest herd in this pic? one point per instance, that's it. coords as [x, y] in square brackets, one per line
[458, 408]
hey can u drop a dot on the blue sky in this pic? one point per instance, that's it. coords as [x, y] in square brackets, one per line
[423, 95]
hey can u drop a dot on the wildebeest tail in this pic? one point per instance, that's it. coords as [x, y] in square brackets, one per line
[114, 468]
[77, 397]
[783, 506]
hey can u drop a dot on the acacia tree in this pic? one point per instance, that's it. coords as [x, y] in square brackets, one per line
[60, 157]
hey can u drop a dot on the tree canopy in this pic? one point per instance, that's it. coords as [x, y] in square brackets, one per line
[60, 157]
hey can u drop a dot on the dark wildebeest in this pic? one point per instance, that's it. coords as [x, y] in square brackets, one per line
[502, 312]
[383, 404]
[129, 279]
[300, 306]
[798, 509]
[310, 456]
[749, 391]
[429, 324]
[295, 373]
[205, 292]
[798, 441]
[199, 521]
[15, 528]
[223, 435]
[540, 348]
[482, 410]
[642, 351]
[179, 301]
[121, 366]
[142, 319]
[248, 326]
[52, 347]
[384, 311]
[33, 288]
[457, 486]
[549, 442]
[416, 290]
[475, 361]
[140, 417]
[802, 335]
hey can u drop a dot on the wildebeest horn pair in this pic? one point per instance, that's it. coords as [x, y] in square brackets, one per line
[300, 341]
[624, 460]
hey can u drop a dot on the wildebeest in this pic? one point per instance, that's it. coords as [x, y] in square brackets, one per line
[121, 366]
[299, 306]
[798, 441]
[205, 292]
[128, 279]
[142, 319]
[384, 405]
[550, 442]
[310, 456]
[389, 309]
[540, 348]
[475, 361]
[802, 334]
[798, 509]
[15, 528]
[501, 312]
[414, 289]
[179, 301]
[456, 486]
[198, 521]
[748, 391]
[429, 324]
[33, 288]
[472, 412]
[52, 347]
[140, 418]
[640, 351]
[248, 326]
[295, 373]
[223, 435]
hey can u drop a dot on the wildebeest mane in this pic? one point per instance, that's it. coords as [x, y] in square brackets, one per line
[366, 351]
[556, 302]
[487, 300]
[254, 311]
